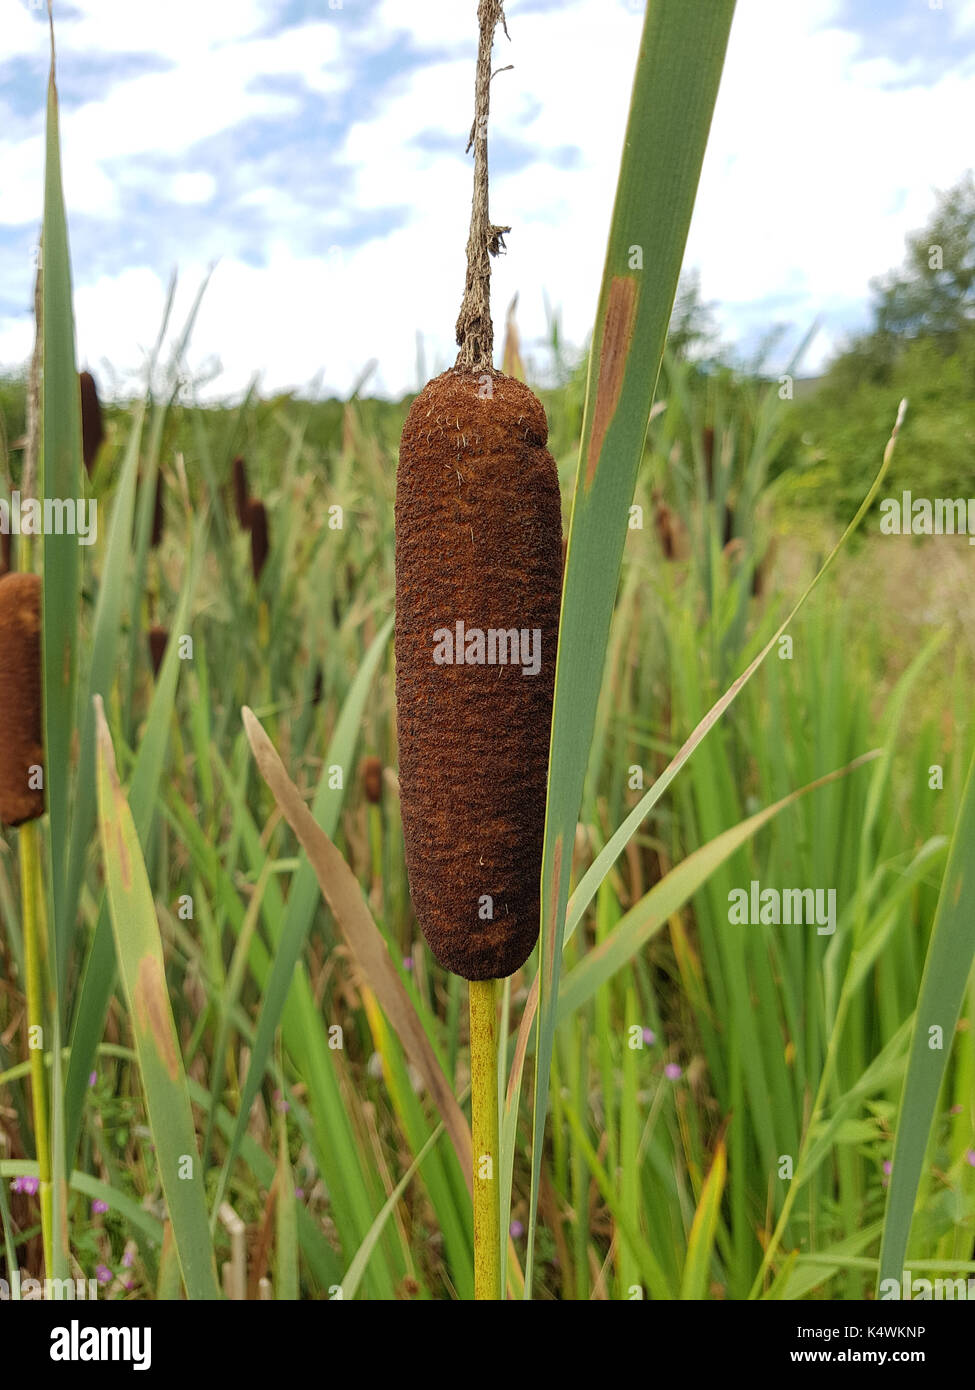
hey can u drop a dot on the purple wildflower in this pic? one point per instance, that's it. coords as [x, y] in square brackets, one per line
[103, 1274]
[516, 1230]
[98, 1206]
[649, 1037]
[672, 1071]
[29, 1186]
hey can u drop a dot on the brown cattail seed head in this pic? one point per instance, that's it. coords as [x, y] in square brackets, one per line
[158, 637]
[21, 739]
[257, 521]
[478, 588]
[663, 521]
[708, 441]
[241, 491]
[158, 514]
[4, 553]
[372, 779]
[92, 432]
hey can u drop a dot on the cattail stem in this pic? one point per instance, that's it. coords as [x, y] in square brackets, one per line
[35, 964]
[484, 1132]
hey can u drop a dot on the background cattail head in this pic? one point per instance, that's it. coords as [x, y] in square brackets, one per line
[241, 491]
[158, 637]
[5, 565]
[708, 443]
[663, 521]
[260, 545]
[92, 431]
[485, 551]
[158, 514]
[21, 738]
[372, 779]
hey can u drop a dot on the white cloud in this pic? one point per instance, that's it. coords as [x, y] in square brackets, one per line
[211, 88]
[820, 162]
[192, 186]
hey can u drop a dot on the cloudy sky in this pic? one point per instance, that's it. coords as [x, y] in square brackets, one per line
[314, 151]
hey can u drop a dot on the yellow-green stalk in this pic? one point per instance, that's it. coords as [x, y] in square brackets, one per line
[35, 963]
[484, 1134]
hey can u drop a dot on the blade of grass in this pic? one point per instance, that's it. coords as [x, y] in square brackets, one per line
[59, 481]
[304, 898]
[675, 86]
[343, 894]
[139, 952]
[670, 894]
[951, 951]
[98, 976]
[700, 1242]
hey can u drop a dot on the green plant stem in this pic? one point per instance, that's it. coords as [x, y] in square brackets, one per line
[35, 962]
[484, 1132]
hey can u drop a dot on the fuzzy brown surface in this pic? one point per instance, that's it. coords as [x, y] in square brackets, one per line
[92, 432]
[21, 742]
[478, 540]
[260, 544]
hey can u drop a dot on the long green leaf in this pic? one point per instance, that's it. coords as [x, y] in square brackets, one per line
[677, 75]
[305, 897]
[667, 896]
[59, 481]
[142, 967]
[98, 975]
[951, 951]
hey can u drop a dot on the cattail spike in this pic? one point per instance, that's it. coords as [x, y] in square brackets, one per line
[479, 565]
[92, 431]
[241, 491]
[158, 637]
[158, 514]
[372, 779]
[260, 544]
[21, 737]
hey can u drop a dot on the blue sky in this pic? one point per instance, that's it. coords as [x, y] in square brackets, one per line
[315, 152]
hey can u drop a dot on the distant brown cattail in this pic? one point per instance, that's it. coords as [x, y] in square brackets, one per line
[5, 565]
[158, 514]
[241, 491]
[709, 458]
[372, 779]
[158, 637]
[478, 587]
[92, 432]
[257, 522]
[663, 520]
[21, 738]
